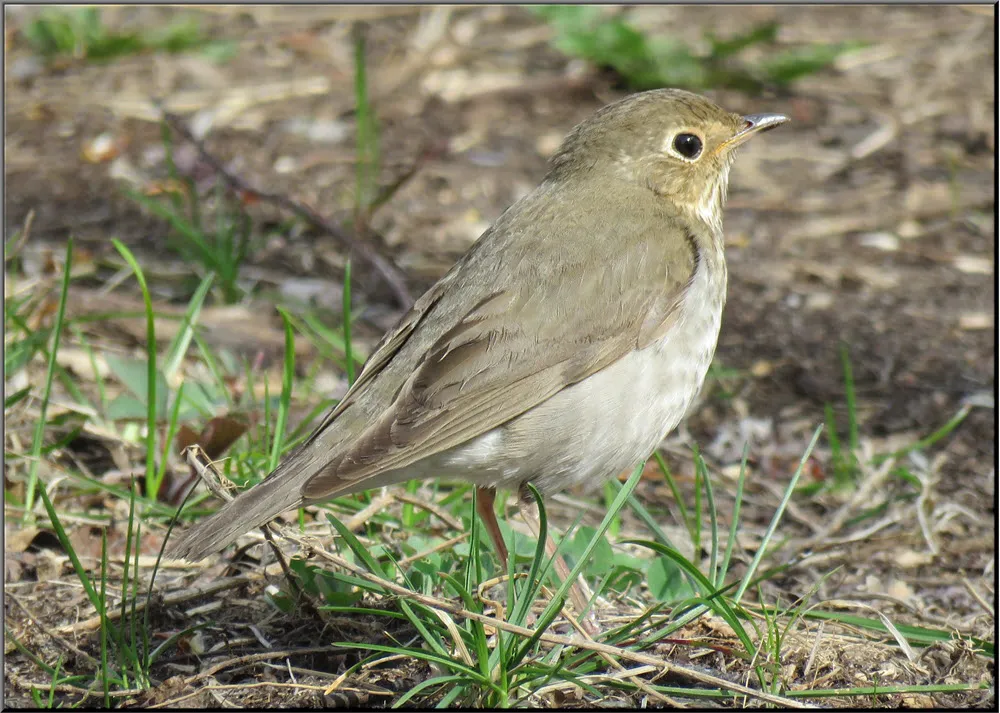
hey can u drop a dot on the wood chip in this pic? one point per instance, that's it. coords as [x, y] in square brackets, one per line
[886, 242]
[975, 321]
[973, 264]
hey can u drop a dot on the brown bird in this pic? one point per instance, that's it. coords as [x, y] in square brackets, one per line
[561, 349]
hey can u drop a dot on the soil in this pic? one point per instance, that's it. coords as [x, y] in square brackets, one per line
[867, 224]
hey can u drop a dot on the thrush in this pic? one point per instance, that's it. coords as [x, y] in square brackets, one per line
[569, 340]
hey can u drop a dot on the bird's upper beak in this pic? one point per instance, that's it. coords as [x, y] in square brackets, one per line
[754, 124]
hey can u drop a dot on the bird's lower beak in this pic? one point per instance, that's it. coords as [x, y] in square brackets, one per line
[755, 124]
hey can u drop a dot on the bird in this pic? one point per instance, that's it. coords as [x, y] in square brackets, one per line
[561, 349]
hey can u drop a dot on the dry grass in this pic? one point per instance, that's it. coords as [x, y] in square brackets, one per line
[870, 222]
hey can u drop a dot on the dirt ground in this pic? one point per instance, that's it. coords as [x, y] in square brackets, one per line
[868, 221]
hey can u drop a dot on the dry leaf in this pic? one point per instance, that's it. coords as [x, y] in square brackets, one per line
[974, 321]
[973, 264]
[910, 559]
[102, 149]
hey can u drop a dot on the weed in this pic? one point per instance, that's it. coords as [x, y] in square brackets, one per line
[39, 431]
[847, 460]
[649, 62]
[220, 249]
[133, 659]
[475, 663]
[80, 33]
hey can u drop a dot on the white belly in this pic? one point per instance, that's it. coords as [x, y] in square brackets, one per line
[607, 423]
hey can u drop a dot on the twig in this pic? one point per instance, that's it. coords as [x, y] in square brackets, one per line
[365, 514]
[389, 272]
[257, 658]
[813, 650]
[168, 600]
[863, 497]
[978, 597]
[209, 474]
[447, 544]
[358, 693]
[429, 152]
[430, 507]
[15, 249]
[16, 680]
[622, 674]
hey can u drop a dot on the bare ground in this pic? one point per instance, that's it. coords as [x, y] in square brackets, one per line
[868, 221]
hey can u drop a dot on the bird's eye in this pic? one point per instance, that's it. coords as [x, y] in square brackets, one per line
[687, 145]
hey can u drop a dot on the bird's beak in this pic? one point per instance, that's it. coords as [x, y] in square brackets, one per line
[754, 124]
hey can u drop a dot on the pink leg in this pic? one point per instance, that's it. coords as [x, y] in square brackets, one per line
[484, 506]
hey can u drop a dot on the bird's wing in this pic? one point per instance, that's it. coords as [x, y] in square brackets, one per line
[385, 350]
[487, 368]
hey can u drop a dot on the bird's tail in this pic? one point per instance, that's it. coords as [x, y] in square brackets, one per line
[252, 508]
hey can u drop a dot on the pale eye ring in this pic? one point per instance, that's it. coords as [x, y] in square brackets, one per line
[687, 146]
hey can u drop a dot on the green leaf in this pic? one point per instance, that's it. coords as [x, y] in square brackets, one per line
[134, 376]
[125, 407]
[666, 581]
[785, 67]
[602, 558]
[768, 32]
[220, 51]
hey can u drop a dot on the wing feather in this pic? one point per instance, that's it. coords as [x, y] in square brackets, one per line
[486, 370]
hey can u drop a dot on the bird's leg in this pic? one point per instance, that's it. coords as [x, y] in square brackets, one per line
[579, 593]
[484, 506]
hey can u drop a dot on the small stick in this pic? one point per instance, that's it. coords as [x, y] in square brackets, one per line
[389, 272]
[202, 465]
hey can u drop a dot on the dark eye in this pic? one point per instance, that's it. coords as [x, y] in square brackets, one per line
[687, 145]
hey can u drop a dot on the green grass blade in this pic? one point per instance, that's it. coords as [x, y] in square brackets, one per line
[287, 383]
[423, 685]
[711, 597]
[126, 562]
[36, 440]
[676, 492]
[748, 575]
[529, 592]
[151, 362]
[360, 551]
[105, 678]
[81, 573]
[180, 343]
[31, 656]
[713, 515]
[168, 441]
[431, 657]
[559, 596]
[434, 642]
[850, 397]
[927, 441]
[737, 504]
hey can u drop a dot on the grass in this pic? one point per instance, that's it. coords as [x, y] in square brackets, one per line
[645, 61]
[418, 568]
[80, 33]
[850, 463]
[219, 249]
[39, 430]
[430, 587]
[134, 657]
